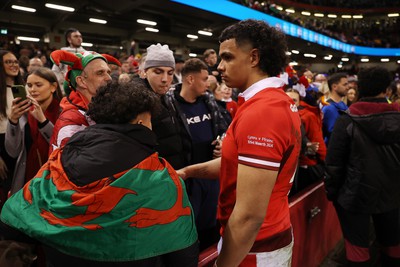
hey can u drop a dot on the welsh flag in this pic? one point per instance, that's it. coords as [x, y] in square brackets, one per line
[139, 213]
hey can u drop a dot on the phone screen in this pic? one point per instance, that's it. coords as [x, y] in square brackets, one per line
[19, 91]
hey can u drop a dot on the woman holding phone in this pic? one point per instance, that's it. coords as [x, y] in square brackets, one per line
[30, 125]
[9, 76]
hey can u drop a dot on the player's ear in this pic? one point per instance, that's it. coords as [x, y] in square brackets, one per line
[254, 57]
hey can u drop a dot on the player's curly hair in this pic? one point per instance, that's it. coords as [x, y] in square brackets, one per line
[270, 42]
[121, 103]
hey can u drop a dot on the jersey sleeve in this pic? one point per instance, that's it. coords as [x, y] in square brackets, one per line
[262, 134]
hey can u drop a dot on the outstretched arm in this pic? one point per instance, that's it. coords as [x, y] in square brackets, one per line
[208, 170]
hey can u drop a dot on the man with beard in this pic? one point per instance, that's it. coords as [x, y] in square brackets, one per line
[338, 87]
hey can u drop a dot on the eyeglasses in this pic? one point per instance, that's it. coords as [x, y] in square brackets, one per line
[10, 62]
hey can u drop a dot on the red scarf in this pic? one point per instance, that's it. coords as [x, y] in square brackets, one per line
[39, 150]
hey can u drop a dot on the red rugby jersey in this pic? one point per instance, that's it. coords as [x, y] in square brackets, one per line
[265, 133]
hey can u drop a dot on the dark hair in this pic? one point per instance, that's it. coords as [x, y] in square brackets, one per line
[373, 81]
[208, 52]
[49, 76]
[193, 65]
[335, 79]
[121, 103]
[68, 33]
[3, 84]
[270, 42]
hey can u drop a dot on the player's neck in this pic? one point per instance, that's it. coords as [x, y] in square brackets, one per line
[254, 78]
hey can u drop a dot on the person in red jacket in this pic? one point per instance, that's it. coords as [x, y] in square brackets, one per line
[311, 162]
[313, 148]
[87, 72]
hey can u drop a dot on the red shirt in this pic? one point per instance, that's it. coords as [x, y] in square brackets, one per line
[71, 120]
[265, 133]
[312, 121]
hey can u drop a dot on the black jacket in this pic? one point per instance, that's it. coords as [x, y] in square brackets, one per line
[219, 124]
[167, 129]
[363, 160]
[103, 150]
[174, 142]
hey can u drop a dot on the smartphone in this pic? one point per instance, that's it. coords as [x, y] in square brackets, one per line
[19, 91]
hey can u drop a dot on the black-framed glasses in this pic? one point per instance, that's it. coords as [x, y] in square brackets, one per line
[10, 62]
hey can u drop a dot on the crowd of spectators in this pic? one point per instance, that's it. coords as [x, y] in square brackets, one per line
[30, 50]
[371, 32]
[352, 4]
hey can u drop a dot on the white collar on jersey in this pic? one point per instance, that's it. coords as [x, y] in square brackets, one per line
[270, 82]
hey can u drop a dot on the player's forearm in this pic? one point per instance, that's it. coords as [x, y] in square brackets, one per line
[238, 238]
[207, 170]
